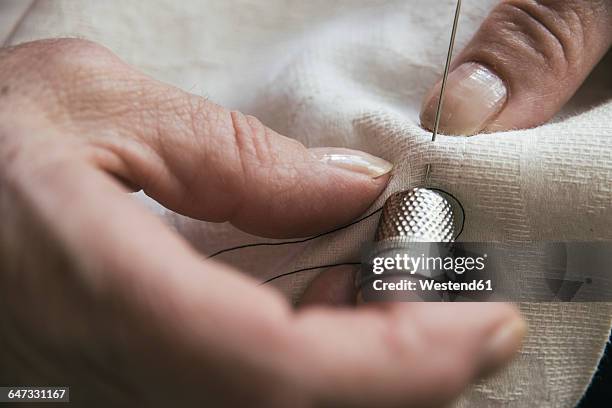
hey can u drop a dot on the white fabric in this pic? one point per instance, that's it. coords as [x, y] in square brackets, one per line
[11, 12]
[352, 73]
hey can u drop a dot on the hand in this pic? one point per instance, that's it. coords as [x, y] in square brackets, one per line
[99, 295]
[524, 63]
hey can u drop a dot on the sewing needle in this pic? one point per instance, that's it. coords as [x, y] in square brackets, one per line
[449, 56]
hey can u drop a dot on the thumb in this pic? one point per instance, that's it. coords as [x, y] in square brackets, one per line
[524, 63]
[218, 165]
[198, 158]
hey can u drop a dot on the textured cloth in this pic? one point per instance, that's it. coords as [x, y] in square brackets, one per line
[352, 73]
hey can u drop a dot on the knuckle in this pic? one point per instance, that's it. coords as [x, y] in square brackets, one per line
[56, 72]
[252, 140]
[555, 26]
[549, 33]
[62, 55]
[74, 54]
[80, 66]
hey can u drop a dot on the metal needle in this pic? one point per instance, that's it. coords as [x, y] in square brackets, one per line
[449, 56]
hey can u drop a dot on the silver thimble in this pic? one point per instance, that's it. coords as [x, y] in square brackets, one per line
[417, 215]
[412, 222]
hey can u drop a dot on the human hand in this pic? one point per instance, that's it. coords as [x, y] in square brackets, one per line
[99, 295]
[525, 62]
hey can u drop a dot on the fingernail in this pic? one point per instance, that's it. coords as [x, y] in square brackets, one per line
[502, 345]
[352, 160]
[474, 96]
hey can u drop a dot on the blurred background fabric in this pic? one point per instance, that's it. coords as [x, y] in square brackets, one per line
[352, 73]
[11, 14]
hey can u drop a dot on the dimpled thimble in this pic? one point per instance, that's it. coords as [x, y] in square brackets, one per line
[417, 215]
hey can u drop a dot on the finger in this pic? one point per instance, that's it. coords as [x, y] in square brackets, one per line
[125, 285]
[410, 354]
[133, 290]
[334, 286]
[156, 288]
[416, 352]
[524, 63]
[230, 167]
[205, 161]
[437, 348]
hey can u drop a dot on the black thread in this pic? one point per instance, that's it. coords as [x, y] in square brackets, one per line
[299, 241]
[311, 268]
[327, 233]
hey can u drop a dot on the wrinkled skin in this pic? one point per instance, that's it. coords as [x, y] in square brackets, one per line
[97, 294]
